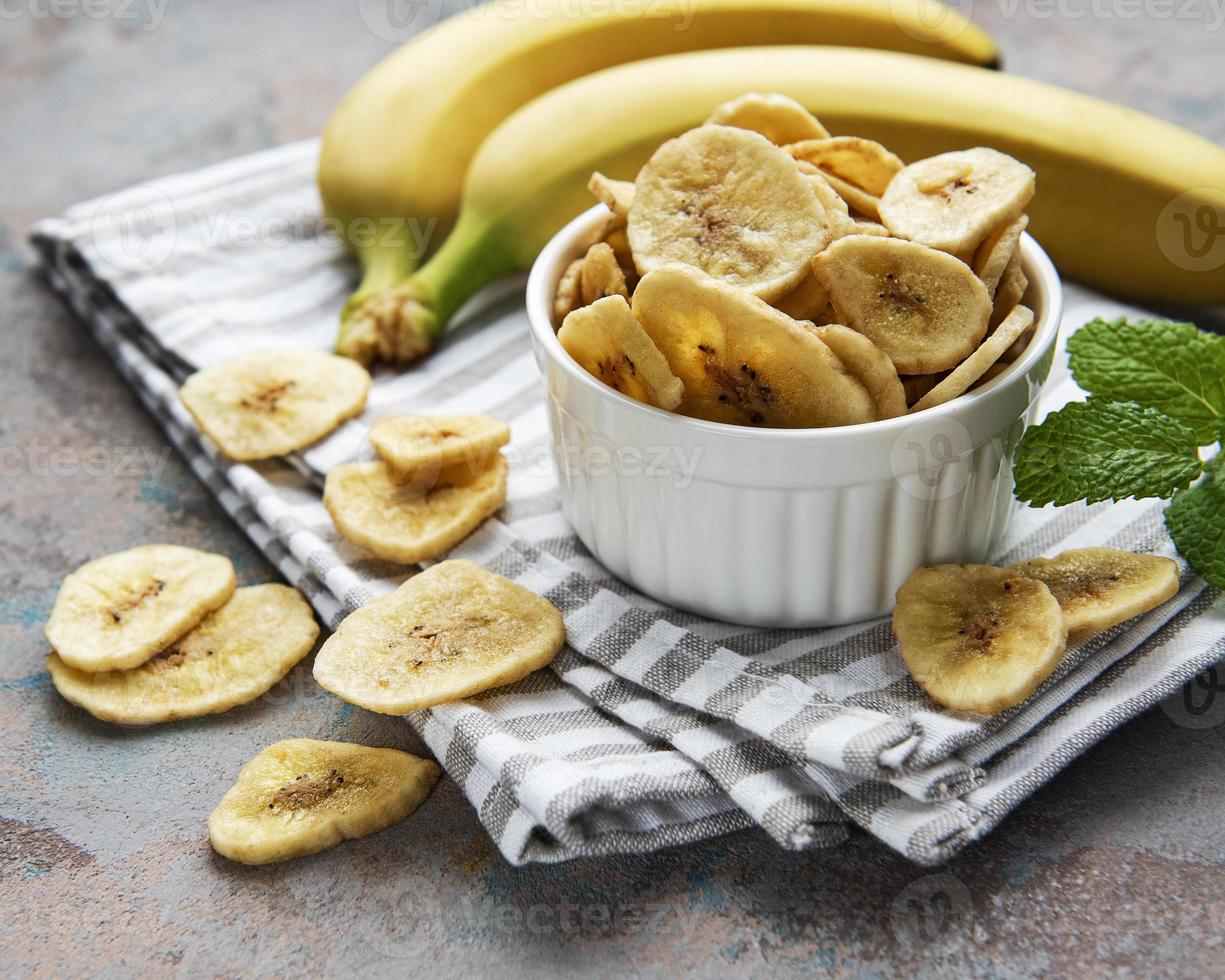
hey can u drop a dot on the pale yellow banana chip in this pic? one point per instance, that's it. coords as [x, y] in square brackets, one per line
[616, 195]
[995, 253]
[858, 200]
[976, 365]
[861, 162]
[609, 344]
[1102, 587]
[450, 632]
[925, 309]
[233, 656]
[868, 364]
[116, 612]
[978, 638]
[742, 361]
[406, 523]
[869, 228]
[602, 275]
[808, 301]
[569, 293]
[302, 796]
[432, 450]
[274, 402]
[726, 201]
[954, 200]
[778, 118]
[1009, 292]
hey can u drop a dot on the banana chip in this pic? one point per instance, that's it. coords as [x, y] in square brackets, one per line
[864, 163]
[1009, 292]
[1101, 587]
[406, 523]
[303, 796]
[918, 385]
[616, 195]
[234, 655]
[742, 361]
[726, 201]
[954, 200]
[778, 118]
[860, 201]
[274, 402]
[978, 638]
[836, 211]
[608, 343]
[925, 309]
[995, 254]
[602, 275]
[869, 365]
[438, 449]
[962, 377]
[569, 293]
[114, 613]
[447, 633]
[808, 301]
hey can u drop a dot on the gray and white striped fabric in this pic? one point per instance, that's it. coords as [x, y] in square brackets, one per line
[654, 727]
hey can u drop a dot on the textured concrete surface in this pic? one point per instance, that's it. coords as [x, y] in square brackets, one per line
[1113, 868]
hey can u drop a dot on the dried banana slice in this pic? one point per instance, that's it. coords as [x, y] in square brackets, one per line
[274, 402]
[954, 200]
[868, 364]
[742, 361]
[808, 301]
[1102, 587]
[976, 365]
[406, 523]
[234, 655]
[778, 118]
[1009, 292]
[432, 450]
[869, 228]
[569, 293]
[996, 252]
[860, 201]
[918, 385]
[116, 612]
[447, 633]
[924, 308]
[857, 161]
[616, 195]
[302, 796]
[978, 638]
[609, 344]
[602, 275]
[727, 202]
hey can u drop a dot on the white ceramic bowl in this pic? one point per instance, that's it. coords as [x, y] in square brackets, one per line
[783, 527]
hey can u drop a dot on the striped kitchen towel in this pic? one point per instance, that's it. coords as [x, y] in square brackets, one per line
[654, 726]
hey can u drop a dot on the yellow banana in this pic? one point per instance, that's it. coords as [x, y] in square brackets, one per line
[1108, 177]
[396, 150]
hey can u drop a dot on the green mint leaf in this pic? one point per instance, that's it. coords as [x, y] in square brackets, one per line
[1104, 450]
[1196, 519]
[1172, 367]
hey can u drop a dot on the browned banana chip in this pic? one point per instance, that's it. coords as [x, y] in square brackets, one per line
[925, 309]
[728, 202]
[973, 367]
[918, 385]
[447, 633]
[404, 523]
[233, 656]
[1009, 292]
[870, 365]
[742, 361]
[616, 195]
[996, 252]
[438, 449]
[808, 301]
[602, 275]
[993, 372]
[954, 200]
[569, 293]
[269, 403]
[778, 118]
[863, 163]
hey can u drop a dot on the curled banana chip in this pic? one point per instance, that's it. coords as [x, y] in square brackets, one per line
[116, 612]
[234, 655]
[274, 402]
[860, 162]
[447, 633]
[432, 450]
[602, 275]
[996, 252]
[808, 301]
[408, 523]
[869, 365]
[954, 200]
[962, 377]
[925, 309]
[1101, 587]
[1009, 292]
[778, 118]
[726, 201]
[302, 796]
[858, 200]
[742, 361]
[918, 385]
[569, 293]
[608, 343]
[836, 211]
[616, 195]
[978, 638]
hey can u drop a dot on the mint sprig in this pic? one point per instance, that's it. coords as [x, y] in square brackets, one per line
[1196, 521]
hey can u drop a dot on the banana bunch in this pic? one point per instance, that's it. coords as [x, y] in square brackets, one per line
[396, 150]
[1110, 177]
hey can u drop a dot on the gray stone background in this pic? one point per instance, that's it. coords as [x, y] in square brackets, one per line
[1113, 868]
